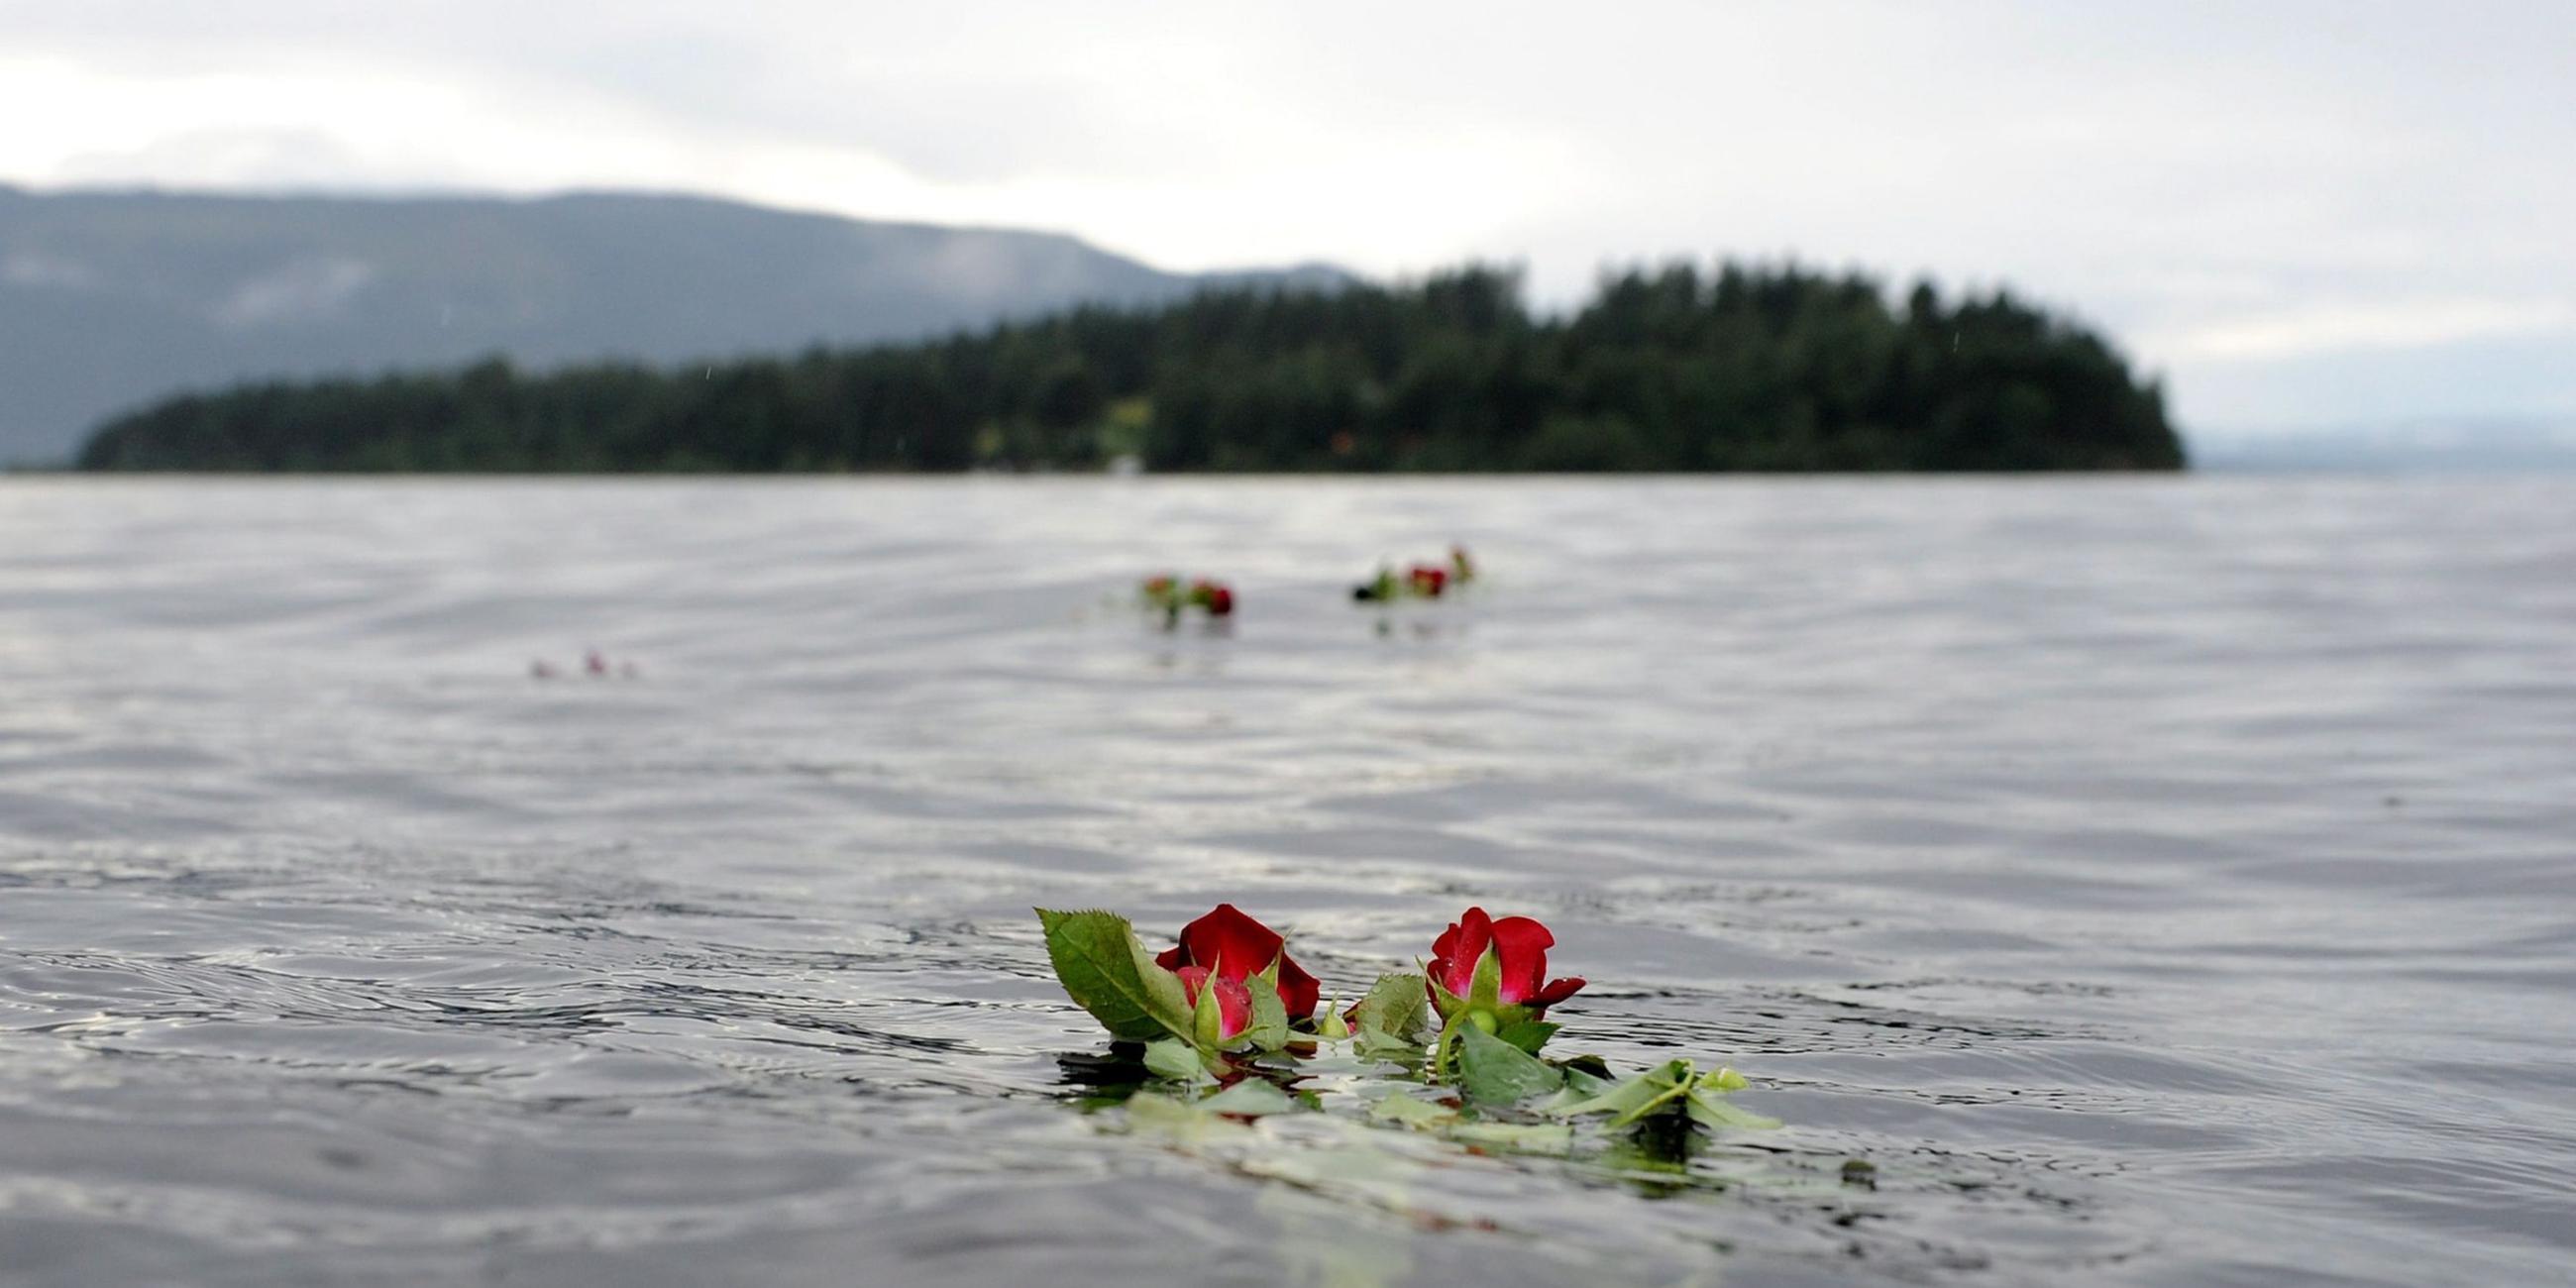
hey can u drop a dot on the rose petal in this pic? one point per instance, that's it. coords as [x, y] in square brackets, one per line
[1556, 991]
[1238, 947]
[1457, 949]
[1524, 944]
[1233, 1006]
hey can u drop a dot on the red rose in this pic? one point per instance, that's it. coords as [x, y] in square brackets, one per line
[1232, 946]
[1429, 580]
[1212, 596]
[1233, 1000]
[1519, 943]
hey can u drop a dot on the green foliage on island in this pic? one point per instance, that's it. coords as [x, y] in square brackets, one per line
[1762, 368]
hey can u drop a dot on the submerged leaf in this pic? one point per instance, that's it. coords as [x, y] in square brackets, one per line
[1656, 1090]
[1412, 1111]
[1521, 1138]
[1250, 1098]
[1174, 1058]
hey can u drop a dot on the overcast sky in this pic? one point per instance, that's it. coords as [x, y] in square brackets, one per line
[2299, 213]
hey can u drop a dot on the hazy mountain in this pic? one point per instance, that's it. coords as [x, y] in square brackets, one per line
[111, 299]
[2430, 446]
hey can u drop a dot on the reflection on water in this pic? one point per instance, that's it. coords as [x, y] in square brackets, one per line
[2159, 881]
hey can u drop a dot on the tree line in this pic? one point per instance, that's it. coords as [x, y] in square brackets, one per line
[1766, 367]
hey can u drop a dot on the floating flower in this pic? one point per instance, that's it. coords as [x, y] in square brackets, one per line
[1516, 948]
[1165, 594]
[1419, 581]
[1233, 946]
[1214, 596]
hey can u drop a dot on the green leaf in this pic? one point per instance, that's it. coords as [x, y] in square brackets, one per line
[1329, 1024]
[1397, 1006]
[1711, 1111]
[1445, 1002]
[1494, 1072]
[1586, 1076]
[1486, 989]
[1174, 1058]
[1589, 1064]
[1528, 1035]
[1725, 1079]
[1109, 974]
[1268, 1030]
[1374, 1045]
[1207, 1017]
[1250, 1098]
[1412, 1111]
[1635, 1097]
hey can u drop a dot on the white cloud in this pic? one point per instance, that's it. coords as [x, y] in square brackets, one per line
[307, 290]
[2406, 324]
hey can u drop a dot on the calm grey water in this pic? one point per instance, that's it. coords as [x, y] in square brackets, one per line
[2160, 881]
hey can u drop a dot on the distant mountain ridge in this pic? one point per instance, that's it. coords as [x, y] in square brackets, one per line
[110, 299]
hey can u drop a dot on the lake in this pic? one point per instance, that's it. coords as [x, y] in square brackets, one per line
[2156, 880]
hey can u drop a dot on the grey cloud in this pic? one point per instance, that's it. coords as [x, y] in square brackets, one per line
[2309, 155]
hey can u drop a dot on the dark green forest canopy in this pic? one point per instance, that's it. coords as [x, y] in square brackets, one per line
[1745, 368]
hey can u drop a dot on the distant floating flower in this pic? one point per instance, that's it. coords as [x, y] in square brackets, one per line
[1165, 594]
[595, 664]
[1419, 581]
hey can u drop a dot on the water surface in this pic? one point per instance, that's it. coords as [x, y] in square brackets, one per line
[2160, 881]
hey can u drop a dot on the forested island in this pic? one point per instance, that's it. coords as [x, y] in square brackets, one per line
[1677, 368]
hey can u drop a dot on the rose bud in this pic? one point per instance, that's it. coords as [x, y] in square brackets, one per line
[1428, 581]
[1494, 971]
[1232, 1013]
[1235, 947]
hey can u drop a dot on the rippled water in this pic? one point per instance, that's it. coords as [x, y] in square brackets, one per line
[2160, 881]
